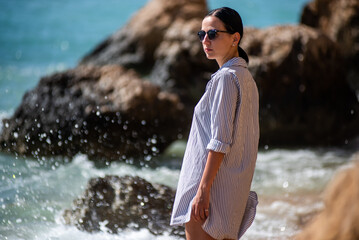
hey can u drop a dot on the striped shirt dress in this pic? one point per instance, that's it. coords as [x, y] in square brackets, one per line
[224, 120]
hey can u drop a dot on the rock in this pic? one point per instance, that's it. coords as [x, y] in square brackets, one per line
[339, 19]
[123, 202]
[304, 98]
[105, 112]
[161, 41]
[304, 66]
[336, 18]
[340, 217]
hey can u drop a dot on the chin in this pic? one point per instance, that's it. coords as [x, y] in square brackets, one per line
[210, 56]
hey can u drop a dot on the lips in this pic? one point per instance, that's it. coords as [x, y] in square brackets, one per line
[208, 50]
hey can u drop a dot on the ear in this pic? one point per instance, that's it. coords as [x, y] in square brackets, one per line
[236, 38]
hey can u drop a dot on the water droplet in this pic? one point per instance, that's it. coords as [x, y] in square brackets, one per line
[50, 209]
[148, 157]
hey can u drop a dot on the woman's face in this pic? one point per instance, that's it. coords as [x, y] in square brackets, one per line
[224, 46]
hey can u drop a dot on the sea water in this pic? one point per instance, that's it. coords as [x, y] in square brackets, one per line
[40, 37]
[33, 194]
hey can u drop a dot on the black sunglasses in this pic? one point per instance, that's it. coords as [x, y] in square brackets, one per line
[211, 34]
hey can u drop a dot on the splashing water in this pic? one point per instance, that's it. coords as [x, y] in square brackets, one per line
[34, 194]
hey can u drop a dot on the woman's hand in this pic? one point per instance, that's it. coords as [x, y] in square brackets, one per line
[200, 206]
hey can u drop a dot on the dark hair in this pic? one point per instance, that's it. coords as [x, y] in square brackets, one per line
[233, 23]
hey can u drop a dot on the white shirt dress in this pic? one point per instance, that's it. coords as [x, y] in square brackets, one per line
[224, 120]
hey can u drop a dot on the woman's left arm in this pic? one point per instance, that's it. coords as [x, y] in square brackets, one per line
[200, 204]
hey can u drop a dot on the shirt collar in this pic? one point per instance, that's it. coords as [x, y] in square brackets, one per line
[236, 61]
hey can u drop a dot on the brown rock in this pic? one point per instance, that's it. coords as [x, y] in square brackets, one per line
[161, 41]
[105, 112]
[339, 19]
[110, 112]
[340, 217]
[123, 202]
[304, 98]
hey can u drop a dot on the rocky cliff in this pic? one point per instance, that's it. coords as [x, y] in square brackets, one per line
[134, 93]
[304, 96]
[339, 20]
[107, 112]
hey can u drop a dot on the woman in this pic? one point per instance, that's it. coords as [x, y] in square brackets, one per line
[213, 196]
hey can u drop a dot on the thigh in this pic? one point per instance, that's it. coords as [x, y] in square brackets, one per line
[194, 231]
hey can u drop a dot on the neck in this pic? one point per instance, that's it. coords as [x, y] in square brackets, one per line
[226, 58]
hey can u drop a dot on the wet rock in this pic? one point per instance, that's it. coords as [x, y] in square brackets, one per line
[299, 71]
[105, 112]
[161, 41]
[116, 203]
[304, 98]
[339, 19]
[340, 217]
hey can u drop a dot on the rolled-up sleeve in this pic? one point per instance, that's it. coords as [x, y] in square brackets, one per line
[224, 96]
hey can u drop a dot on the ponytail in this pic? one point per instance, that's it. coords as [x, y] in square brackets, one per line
[243, 54]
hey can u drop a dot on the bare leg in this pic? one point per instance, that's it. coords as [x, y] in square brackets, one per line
[194, 231]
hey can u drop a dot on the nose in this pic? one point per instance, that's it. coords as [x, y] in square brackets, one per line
[206, 39]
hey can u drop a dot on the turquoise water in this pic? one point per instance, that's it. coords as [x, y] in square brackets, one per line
[39, 37]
